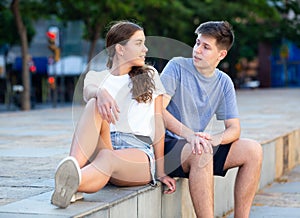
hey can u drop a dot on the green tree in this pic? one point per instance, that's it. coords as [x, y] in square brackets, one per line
[15, 7]
[289, 25]
[168, 18]
[16, 29]
[97, 14]
[253, 21]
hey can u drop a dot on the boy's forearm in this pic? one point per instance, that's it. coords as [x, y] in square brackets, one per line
[175, 126]
[229, 135]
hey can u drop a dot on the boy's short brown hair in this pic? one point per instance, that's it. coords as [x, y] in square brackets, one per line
[220, 30]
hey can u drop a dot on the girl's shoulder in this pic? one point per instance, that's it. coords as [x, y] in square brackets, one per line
[151, 70]
[94, 72]
[97, 74]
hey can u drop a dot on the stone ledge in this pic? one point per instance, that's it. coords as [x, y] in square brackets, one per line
[105, 203]
[280, 155]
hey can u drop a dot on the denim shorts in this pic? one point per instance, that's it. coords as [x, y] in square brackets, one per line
[122, 140]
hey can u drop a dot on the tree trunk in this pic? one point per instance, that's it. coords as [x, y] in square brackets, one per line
[93, 43]
[26, 104]
[95, 36]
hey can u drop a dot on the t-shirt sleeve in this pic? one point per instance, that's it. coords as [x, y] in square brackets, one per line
[92, 79]
[228, 105]
[170, 77]
[159, 88]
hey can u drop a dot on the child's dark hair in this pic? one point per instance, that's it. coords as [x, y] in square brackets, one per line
[220, 30]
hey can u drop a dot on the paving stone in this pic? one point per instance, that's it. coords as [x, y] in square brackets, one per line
[32, 144]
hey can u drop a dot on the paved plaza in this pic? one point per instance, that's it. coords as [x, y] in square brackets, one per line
[32, 143]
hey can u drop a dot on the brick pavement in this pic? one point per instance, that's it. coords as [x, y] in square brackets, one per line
[32, 143]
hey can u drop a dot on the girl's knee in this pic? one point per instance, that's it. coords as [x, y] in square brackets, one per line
[91, 103]
[106, 154]
[105, 161]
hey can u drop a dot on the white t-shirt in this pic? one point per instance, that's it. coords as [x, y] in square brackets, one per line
[134, 117]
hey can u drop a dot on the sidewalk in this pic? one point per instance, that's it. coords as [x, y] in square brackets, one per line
[280, 199]
[32, 143]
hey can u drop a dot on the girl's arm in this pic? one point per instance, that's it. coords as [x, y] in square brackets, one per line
[159, 147]
[107, 106]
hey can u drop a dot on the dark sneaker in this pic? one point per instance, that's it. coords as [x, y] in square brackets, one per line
[67, 180]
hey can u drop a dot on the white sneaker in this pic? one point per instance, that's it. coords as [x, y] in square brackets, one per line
[67, 180]
[77, 196]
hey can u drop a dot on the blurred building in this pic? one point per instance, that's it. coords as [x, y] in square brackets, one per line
[66, 71]
[279, 65]
[275, 65]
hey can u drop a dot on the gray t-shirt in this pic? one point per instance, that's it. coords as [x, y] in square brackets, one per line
[195, 99]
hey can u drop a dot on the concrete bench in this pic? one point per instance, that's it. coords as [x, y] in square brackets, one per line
[280, 155]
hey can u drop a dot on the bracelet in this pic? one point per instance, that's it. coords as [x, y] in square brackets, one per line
[159, 178]
[96, 94]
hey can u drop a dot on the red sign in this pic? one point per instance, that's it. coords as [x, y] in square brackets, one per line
[51, 35]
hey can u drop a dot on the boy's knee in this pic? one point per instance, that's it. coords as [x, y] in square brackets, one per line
[255, 151]
[201, 161]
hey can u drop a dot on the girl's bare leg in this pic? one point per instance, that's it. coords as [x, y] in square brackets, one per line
[99, 163]
[92, 135]
[126, 167]
[86, 139]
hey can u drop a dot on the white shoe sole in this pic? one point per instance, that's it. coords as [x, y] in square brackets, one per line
[76, 197]
[67, 179]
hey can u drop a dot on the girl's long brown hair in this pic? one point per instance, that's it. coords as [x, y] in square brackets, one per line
[141, 77]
